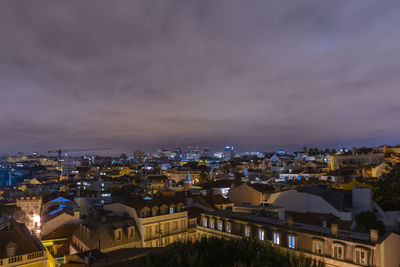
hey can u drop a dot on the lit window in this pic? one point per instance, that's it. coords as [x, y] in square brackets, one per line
[277, 240]
[338, 251]
[212, 223]
[228, 227]
[318, 247]
[261, 234]
[171, 210]
[291, 241]
[219, 226]
[205, 223]
[247, 231]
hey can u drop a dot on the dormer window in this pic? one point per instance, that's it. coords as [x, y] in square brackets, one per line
[361, 256]
[318, 247]
[131, 232]
[11, 249]
[118, 234]
[171, 210]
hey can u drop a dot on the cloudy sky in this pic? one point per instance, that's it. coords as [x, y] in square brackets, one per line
[138, 74]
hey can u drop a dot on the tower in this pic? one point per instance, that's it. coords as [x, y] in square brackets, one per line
[188, 181]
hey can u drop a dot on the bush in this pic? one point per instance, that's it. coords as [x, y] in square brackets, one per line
[221, 252]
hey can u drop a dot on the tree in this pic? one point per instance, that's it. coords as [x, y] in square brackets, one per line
[126, 191]
[203, 177]
[367, 220]
[221, 252]
[387, 189]
[304, 149]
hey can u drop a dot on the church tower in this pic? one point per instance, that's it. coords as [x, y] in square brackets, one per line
[188, 182]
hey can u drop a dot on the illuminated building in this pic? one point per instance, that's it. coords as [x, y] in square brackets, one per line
[19, 248]
[31, 206]
[160, 221]
[333, 246]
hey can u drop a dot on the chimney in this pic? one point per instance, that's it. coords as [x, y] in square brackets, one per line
[77, 214]
[374, 235]
[289, 221]
[334, 229]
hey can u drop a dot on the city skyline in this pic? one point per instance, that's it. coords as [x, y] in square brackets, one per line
[137, 74]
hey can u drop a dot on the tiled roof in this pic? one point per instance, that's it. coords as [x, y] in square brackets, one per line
[18, 233]
[306, 228]
[139, 203]
[102, 231]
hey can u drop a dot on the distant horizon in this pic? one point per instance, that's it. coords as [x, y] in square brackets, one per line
[185, 148]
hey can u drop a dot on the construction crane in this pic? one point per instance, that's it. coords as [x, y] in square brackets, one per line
[60, 152]
[63, 154]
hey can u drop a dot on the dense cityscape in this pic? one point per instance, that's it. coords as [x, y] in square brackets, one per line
[199, 133]
[330, 204]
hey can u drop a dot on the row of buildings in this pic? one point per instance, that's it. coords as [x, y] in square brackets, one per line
[119, 211]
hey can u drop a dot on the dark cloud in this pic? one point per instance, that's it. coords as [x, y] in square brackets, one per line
[138, 74]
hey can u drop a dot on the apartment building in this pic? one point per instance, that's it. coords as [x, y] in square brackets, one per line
[32, 206]
[335, 247]
[19, 248]
[105, 233]
[160, 221]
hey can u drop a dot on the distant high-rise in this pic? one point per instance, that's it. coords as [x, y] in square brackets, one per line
[229, 153]
[205, 153]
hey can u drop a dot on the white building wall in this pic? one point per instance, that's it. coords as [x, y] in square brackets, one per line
[302, 202]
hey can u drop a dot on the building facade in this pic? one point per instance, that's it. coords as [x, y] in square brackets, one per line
[333, 246]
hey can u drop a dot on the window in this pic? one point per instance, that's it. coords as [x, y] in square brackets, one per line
[205, 223]
[148, 231]
[318, 247]
[166, 227]
[219, 226]
[212, 223]
[277, 240]
[228, 227]
[171, 210]
[10, 251]
[338, 251]
[131, 232]
[183, 225]
[261, 234]
[154, 212]
[361, 256]
[175, 225]
[291, 241]
[247, 231]
[118, 235]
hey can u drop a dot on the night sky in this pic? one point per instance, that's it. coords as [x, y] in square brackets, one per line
[260, 75]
